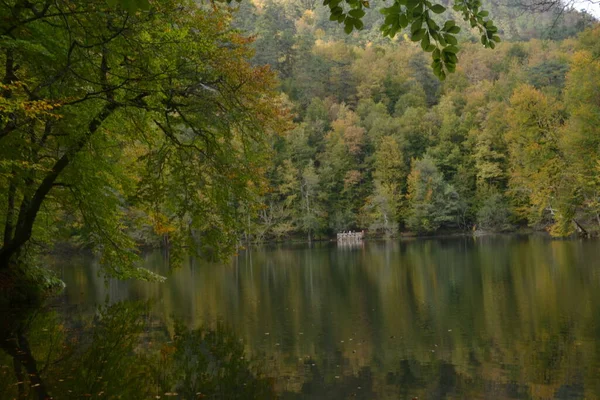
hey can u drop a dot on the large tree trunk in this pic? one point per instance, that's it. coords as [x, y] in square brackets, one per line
[31, 206]
[10, 213]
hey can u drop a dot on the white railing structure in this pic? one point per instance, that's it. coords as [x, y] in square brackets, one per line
[350, 236]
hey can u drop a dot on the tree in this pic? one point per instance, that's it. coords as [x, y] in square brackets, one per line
[490, 148]
[432, 203]
[581, 138]
[310, 219]
[380, 212]
[103, 109]
[538, 166]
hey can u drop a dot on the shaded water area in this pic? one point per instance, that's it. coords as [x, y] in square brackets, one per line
[461, 318]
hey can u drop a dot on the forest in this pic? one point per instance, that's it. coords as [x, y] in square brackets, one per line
[213, 126]
[509, 140]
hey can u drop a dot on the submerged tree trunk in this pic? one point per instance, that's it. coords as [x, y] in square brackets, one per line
[15, 344]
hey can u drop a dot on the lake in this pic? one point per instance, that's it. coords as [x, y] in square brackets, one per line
[498, 317]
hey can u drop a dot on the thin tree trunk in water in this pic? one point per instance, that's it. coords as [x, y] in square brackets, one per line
[20, 378]
[30, 366]
[18, 348]
[247, 229]
[308, 213]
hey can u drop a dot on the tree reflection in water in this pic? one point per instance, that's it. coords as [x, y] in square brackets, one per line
[121, 353]
[441, 319]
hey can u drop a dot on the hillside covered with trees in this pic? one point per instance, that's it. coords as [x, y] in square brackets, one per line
[509, 140]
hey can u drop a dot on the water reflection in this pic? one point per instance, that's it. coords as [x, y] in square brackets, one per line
[457, 318]
[120, 352]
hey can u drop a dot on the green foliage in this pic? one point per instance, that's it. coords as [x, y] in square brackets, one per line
[549, 73]
[494, 213]
[108, 113]
[432, 203]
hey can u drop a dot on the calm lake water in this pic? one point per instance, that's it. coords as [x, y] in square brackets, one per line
[462, 318]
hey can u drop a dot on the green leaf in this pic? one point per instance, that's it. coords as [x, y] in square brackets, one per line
[348, 25]
[425, 42]
[418, 35]
[403, 20]
[451, 57]
[455, 29]
[416, 26]
[438, 8]
[452, 49]
[449, 24]
[395, 9]
[391, 19]
[417, 11]
[357, 13]
[337, 10]
[432, 25]
[410, 4]
[450, 39]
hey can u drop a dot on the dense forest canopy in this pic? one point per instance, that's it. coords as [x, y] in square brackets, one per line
[163, 123]
[381, 144]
